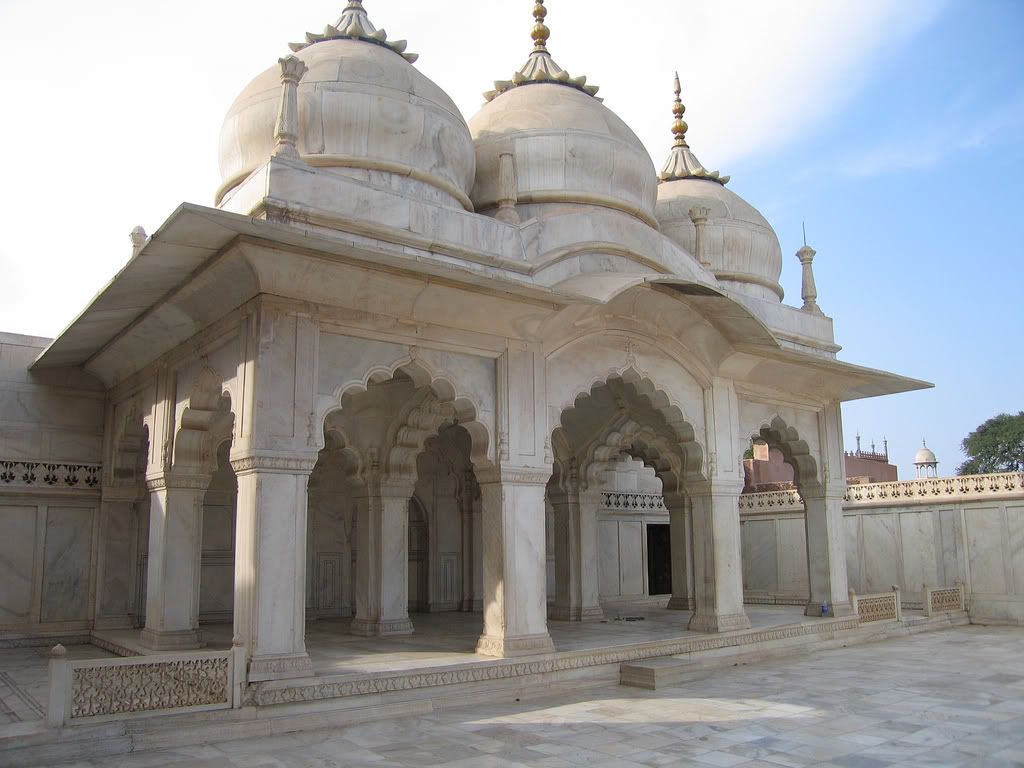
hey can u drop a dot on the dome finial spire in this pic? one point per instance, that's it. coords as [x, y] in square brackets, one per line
[682, 163]
[541, 67]
[355, 24]
[679, 126]
[540, 33]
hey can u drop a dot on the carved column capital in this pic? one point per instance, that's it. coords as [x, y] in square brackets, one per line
[514, 475]
[288, 463]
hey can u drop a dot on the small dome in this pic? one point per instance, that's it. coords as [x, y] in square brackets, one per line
[566, 146]
[363, 108]
[925, 455]
[739, 245]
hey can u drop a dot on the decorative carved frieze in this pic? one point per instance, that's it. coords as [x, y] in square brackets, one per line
[112, 689]
[269, 463]
[639, 502]
[40, 474]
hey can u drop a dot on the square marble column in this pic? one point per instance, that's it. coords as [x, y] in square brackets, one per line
[382, 561]
[175, 547]
[270, 564]
[515, 592]
[680, 538]
[717, 564]
[826, 555]
[577, 592]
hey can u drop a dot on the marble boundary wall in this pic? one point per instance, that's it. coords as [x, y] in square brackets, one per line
[916, 533]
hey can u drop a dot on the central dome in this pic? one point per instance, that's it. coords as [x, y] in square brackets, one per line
[364, 111]
[566, 146]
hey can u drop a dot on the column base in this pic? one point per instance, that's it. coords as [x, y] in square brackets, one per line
[835, 609]
[283, 667]
[710, 622]
[381, 627]
[504, 647]
[176, 640]
[679, 604]
[575, 613]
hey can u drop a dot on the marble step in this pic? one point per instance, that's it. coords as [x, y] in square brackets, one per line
[658, 672]
[34, 744]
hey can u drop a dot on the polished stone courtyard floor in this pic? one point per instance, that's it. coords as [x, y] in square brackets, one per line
[951, 697]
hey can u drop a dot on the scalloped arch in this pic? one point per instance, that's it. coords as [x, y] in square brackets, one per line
[446, 403]
[795, 451]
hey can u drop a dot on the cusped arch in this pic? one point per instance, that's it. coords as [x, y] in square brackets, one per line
[642, 442]
[444, 402]
[678, 429]
[795, 451]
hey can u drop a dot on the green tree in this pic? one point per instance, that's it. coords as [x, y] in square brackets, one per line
[995, 446]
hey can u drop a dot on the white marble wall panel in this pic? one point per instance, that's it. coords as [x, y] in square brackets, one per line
[217, 584]
[608, 565]
[760, 555]
[67, 561]
[1015, 542]
[919, 537]
[631, 558]
[17, 550]
[882, 561]
[985, 543]
[792, 542]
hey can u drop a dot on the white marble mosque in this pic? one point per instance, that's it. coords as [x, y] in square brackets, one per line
[410, 364]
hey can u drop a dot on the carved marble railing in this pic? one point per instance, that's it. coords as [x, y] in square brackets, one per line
[775, 501]
[963, 488]
[924, 490]
[634, 502]
[46, 475]
[112, 689]
[944, 599]
[882, 606]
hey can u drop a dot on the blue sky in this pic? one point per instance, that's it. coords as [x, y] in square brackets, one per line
[892, 127]
[913, 199]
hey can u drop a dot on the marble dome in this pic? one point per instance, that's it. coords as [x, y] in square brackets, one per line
[364, 110]
[738, 245]
[567, 147]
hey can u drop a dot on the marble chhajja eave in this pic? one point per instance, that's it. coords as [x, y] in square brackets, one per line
[193, 272]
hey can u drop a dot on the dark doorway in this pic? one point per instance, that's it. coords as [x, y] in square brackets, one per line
[659, 559]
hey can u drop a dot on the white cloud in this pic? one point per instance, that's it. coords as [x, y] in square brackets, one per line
[112, 113]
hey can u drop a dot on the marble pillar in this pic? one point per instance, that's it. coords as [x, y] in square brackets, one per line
[382, 561]
[717, 563]
[577, 590]
[680, 538]
[515, 599]
[466, 504]
[826, 554]
[270, 563]
[175, 556]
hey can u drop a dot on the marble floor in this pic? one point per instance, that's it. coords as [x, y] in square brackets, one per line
[440, 638]
[446, 638]
[952, 697]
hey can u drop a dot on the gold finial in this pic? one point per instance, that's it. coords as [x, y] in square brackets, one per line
[679, 127]
[540, 31]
